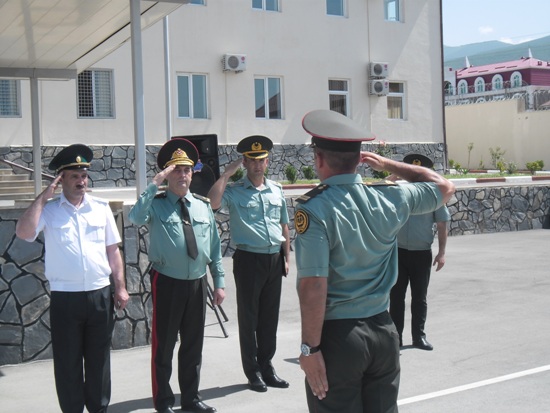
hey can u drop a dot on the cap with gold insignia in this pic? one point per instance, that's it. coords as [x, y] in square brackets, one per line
[76, 156]
[333, 131]
[255, 146]
[417, 159]
[177, 151]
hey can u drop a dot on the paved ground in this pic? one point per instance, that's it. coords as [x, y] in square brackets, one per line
[489, 319]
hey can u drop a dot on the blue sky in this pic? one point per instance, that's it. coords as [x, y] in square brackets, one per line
[510, 21]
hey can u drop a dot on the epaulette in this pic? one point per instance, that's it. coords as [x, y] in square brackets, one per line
[385, 182]
[238, 183]
[311, 194]
[54, 199]
[277, 184]
[202, 198]
[160, 195]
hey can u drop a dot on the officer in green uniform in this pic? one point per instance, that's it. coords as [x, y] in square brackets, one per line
[414, 242]
[346, 259]
[184, 240]
[259, 228]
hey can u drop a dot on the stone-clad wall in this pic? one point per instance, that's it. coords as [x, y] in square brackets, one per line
[113, 166]
[24, 294]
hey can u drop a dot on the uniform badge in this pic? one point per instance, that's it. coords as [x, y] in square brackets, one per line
[301, 221]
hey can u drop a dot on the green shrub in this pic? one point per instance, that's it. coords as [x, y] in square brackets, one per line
[291, 174]
[534, 166]
[308, 172]
[511, 168]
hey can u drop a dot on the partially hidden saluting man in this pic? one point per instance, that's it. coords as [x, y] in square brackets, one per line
[346, 259]
[81, 257]
[184, 240]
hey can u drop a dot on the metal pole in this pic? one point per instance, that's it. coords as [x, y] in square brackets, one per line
[137, 83]
[36, 140]
[167, 78]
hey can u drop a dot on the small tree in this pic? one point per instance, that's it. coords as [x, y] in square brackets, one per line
[535, 166]
[308, 172]
[385, 151]
[497, 155]
[291, 174]
[470, 147]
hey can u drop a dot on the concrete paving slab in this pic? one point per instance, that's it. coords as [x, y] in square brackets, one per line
[488, 321]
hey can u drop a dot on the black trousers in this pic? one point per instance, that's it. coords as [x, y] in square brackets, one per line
[179, 306]
[362, 363]
[414, 268]
[258, 280]
[82, 327]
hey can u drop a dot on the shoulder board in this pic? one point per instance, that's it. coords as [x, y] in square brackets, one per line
[276, 183]
[202, 198]
[380, 183]
[238, 183]
[311, 194]
[160, 195]
[54, 199]
[100, 200]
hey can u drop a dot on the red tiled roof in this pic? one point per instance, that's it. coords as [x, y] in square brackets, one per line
[523, 63]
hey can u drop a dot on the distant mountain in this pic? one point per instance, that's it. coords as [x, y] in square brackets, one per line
[495, 52]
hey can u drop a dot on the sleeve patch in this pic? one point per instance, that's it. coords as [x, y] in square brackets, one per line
[301, 221]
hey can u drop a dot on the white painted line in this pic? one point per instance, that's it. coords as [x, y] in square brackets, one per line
[472, 385]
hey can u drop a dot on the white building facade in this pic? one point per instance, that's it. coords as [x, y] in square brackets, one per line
[291, 57]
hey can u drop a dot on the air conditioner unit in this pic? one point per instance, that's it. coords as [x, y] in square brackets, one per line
[378, 69]
[380, 87]
[234, 62]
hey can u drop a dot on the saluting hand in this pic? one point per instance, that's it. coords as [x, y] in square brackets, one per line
[161, 176]
[233, 167]
[375, 161]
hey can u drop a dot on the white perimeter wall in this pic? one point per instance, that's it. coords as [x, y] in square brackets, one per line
[525, 136]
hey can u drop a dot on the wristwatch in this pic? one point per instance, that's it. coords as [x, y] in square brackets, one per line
[308, 350]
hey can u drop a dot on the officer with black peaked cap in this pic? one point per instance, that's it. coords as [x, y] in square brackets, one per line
[76, 156]
[259, 228]
[184, 240]
[80, 264]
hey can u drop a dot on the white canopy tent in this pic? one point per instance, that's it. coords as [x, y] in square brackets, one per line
[56, 40]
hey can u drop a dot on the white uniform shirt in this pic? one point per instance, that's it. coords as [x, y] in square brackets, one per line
[76, 241]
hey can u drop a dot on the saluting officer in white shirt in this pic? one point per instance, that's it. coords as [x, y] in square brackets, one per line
[82, 255]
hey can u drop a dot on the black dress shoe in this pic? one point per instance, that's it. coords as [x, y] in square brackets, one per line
[166, 410]
[197, 407]
[276, 381]
[257, 384]
[422, 344]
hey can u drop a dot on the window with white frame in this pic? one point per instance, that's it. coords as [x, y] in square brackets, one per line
[269, 5]
[336, 7]
[516, 79]
[10, 98]
[396, 101]
[497, 82]
[192, 96]
[338, 96]
[392, 10]
[462, 87]
[267, 93]
[95, 94]
[479, 85]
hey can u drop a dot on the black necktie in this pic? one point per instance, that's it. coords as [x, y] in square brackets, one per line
[190, 240]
